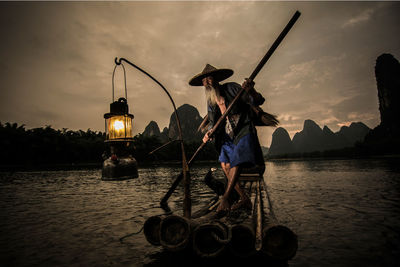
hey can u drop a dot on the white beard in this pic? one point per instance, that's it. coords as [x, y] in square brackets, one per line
[212, 94]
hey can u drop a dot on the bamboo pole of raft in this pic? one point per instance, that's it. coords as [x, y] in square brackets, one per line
[243, 234]
[258, 244]
[151, 226]
[279, 242]
[175, 232]
[210, 236]
[151, 229]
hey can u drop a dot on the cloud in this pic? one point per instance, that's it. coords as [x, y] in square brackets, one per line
[288, 117]
[360, 18]
[329, 120]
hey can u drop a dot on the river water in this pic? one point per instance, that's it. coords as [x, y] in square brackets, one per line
[345, 213]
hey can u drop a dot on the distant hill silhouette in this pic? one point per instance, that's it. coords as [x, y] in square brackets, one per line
[356, 132]
[152, 129]
[385, 138]
[190, 120]
[309, 139]
[356, 140]
[330, 140]
[281, 143]
[387, 73]
[313, 138]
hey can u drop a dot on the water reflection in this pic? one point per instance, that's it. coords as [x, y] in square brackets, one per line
[339, 210]
[186, 258]
[345, 212]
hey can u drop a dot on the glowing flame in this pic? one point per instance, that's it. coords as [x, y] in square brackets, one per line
[118, 125]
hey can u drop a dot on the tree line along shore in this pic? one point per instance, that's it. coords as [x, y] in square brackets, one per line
[46, 146]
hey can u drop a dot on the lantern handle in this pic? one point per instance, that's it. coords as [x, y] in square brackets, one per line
[113, 75]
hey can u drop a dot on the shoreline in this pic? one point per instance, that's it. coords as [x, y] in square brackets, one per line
[172, 163]
[392, 156]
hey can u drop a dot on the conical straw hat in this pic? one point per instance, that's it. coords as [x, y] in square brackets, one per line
[217, 74]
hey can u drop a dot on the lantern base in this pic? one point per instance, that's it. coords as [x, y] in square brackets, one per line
[121, 168]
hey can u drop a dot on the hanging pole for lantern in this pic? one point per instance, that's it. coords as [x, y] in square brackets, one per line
[187, 205]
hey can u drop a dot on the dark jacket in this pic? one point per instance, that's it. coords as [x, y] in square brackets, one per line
[242, 107]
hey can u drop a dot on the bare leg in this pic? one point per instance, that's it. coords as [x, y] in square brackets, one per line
[226, 168]
[232, 174]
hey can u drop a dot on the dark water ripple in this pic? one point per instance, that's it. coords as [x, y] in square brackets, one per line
[345, 212]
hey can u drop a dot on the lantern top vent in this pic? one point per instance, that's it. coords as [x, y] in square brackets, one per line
[119, 107]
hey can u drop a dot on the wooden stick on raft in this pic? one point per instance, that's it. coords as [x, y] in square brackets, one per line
[259, 218]
[279, 242]
[243, 233]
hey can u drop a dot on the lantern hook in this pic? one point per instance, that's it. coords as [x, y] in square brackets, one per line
[113, 75]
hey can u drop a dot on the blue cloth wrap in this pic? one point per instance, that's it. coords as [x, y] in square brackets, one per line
[243, 152]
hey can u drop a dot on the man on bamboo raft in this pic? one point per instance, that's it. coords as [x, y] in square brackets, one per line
[236, 138]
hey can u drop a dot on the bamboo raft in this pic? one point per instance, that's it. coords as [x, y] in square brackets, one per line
[243, 233]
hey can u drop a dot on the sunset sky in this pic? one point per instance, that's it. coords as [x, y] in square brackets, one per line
[56, 59]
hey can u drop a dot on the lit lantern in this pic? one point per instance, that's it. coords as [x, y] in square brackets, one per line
[119, 123]
[119, 164]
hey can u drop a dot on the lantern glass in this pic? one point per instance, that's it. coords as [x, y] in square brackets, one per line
[119, 127]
